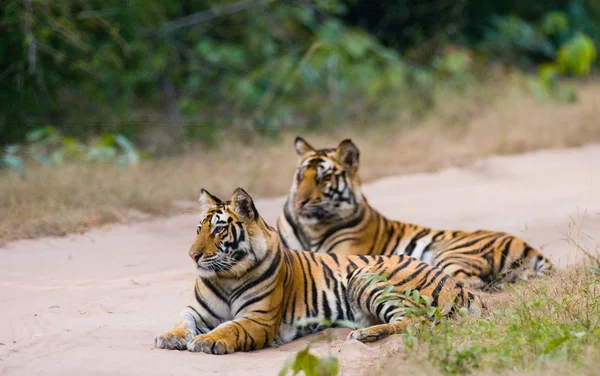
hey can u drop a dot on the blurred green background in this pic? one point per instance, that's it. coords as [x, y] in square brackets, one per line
[198, 68]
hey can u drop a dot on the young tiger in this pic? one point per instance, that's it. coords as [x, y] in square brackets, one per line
[327, 212]
[252, 291]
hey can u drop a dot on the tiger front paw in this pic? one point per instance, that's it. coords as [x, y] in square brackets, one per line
[176, 339]
[366, 335]
[210, 345]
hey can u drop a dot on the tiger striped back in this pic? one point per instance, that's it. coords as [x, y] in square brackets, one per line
[327, 212]
[252, 291]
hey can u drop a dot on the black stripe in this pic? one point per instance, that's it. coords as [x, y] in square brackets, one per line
[256, 299]
[298, 233]
[433, 278]
[214, 290]
[413, 242]
[467, 244]
[504, 255]
[329, 277]
[436, 292]
[326, 308]
[350, 224]
[331, 248]
[204, 305]
[376, 233]
[400, 267]
[412, 275]
[266, 275]
[304, 279]
[348, 313]
[210, 327]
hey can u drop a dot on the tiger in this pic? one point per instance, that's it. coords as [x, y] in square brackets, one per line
[326, 212]
[252, 292]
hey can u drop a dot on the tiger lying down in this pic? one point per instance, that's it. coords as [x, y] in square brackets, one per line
[252, 292]
[326, 212]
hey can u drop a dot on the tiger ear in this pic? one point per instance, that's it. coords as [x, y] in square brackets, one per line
[348, 154]
[243, 205]
[207, 201]
[302, 147]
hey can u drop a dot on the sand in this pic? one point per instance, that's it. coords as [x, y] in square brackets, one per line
[92, 304]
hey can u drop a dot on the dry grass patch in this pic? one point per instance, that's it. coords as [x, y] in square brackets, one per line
[486, 120]
[549, 326]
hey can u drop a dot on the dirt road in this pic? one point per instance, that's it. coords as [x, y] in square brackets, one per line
[91, 304]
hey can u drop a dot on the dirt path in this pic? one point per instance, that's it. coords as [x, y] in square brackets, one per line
[91, 304]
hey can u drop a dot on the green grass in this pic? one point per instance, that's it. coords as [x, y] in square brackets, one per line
[549, 325]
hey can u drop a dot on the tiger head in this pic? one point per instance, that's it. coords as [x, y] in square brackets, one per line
[231, 236]
[325, 187]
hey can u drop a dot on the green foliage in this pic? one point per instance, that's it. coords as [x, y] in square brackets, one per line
[555, 39]
[443, 352]
[311, 365]
[541, 326]
[46, 145]
[388, 294]
[514, 40]
[120, 67]
[557, 35]
[577, 55]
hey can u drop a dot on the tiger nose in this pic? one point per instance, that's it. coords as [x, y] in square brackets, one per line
[301, 202]
[195, 257]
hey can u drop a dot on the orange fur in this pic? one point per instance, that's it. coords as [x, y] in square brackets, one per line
[252, 291]
[327, 212]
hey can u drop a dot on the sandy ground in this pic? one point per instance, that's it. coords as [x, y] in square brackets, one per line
[91, 304]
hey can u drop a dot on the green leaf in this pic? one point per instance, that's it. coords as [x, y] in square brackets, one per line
[311, 365]
[385, 298]
[554, 344]
[416, 296]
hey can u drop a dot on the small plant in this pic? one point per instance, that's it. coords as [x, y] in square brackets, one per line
[48, 146]
[310, 364]
[423, 302]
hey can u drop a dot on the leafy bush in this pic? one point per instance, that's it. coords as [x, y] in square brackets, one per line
[194, 69]
[46, 145]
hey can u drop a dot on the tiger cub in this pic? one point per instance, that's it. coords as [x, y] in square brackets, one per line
[327, 212]
[252, 291]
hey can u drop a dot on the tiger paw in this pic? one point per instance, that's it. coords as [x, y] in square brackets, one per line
[366, 335]
[177, 339]
[209, 345]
